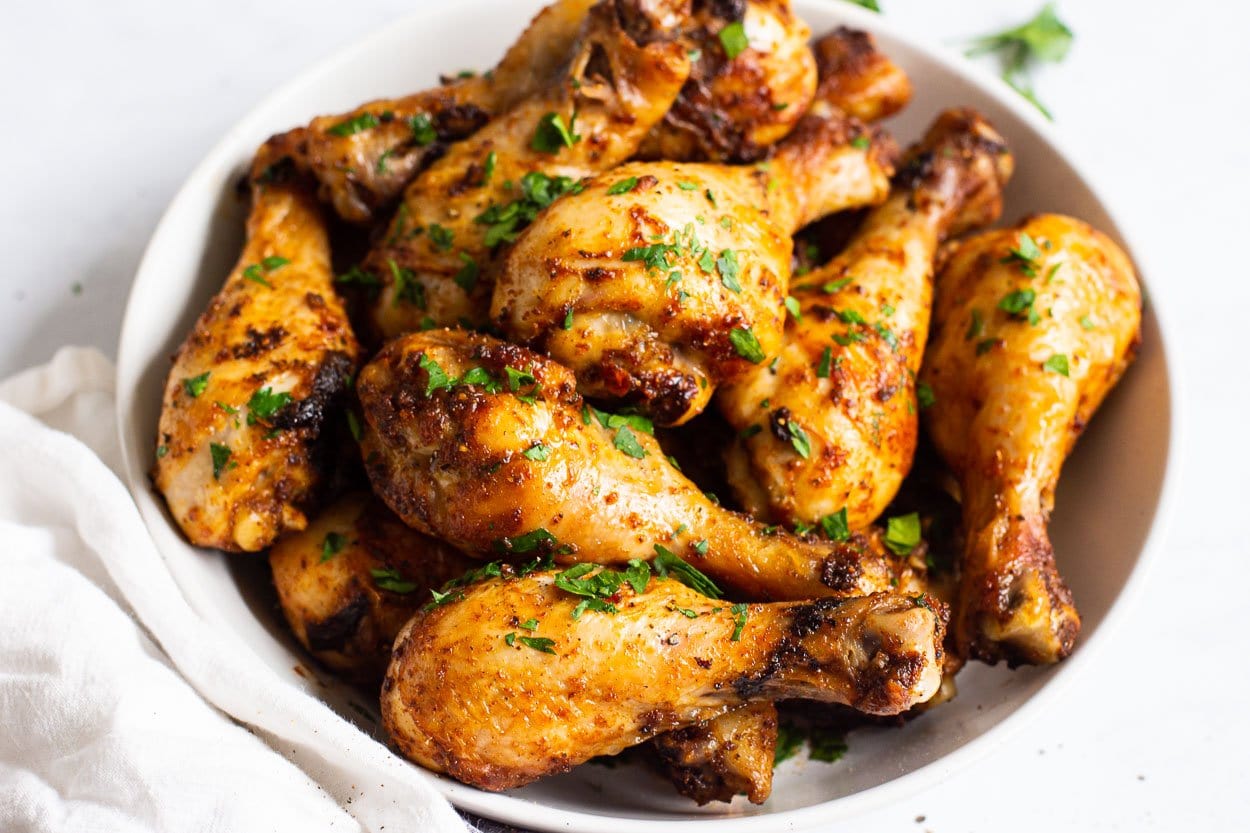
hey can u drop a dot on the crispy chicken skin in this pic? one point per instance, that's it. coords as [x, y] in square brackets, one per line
[856, 78]
[363, 159]
[715, 760]
[646, 291]
[732, 109]
[433, 262]
[349, 582]
[1026, 344]
[491, 469]
[833, 424]
[244, 404]
[495, 712]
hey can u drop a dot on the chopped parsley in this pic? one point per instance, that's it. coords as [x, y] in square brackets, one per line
[746, 345]
[1019, 304]
[353, 425]
[422, 127]
[861, 142]
[1087, 323]
[537, 452]
[628, 444]
[727, 265]
[823, 366]
[257, 272]
[1057, 363]
[739, 611]
[360, 277]
[902, 533]
[529, 542]
[196, 385]
[792, 306]
[332, 545]
[687, 186]
[568, 319]
[264, 404]
[488, 168]
[624, 186]
[354, 125]
[924, 395]
[538, 191]
[466, 277]
[733, 39]
[389, 579]
[407, 288]
[552, 134]
[1026, 254]
[666, 563]
[221, 459]
[441, 237]
[538, 643]
[835, 525]
[975, 326]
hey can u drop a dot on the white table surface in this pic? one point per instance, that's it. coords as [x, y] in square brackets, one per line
[110, 105]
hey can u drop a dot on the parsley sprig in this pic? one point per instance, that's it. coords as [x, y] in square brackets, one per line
[1045, 38]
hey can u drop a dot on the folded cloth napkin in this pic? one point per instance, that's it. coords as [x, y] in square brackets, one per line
[121, 709]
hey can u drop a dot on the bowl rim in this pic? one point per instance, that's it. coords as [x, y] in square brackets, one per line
[538, 816]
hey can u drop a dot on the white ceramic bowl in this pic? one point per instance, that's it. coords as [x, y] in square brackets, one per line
[1112, 491]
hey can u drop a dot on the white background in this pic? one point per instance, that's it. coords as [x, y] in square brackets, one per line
[108, 106]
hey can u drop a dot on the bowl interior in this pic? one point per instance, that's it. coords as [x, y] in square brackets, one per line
[1105, 507]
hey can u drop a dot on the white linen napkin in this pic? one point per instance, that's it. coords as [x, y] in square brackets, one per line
[122, 710]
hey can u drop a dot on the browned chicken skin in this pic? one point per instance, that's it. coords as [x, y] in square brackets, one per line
[856, 78]
[717, 759]
[433, 264]
[237, 457]
[365, 158]
[732, 108]
[658, 280]
[1033, 325]
[503, 456]
[832, 425]
[498, 711]
[350, 581]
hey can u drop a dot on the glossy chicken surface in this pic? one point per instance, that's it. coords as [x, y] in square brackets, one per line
[498, 711]
[832, 424]
[1033, 326]
[364, 158]
[733, 107]
[349, 582]
[658, 280]
[715, 760]
[503, 456]
[434, 261]
[856, 78]
[242, 414]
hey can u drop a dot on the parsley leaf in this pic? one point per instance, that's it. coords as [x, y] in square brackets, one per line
[733, 39]
[528, 542]
[1044, 38]
[792, 306]
[332, 545]
[264, 404]
[924, 395]
[1057, 363]
[835, 526]
[221, 456]
[539, 643]
[739, 611]
[667, 562]
[537, 452]
[902, 533]
[551, 134]
[466, 278]
[422, 127]
[623, 187]
[441, 237]
[727, 265]
[390, 579]
[628, 444]
[354, 125]
[196, 385]
[746, 345]
[826, 360]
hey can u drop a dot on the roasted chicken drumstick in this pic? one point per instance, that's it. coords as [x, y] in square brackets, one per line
[432, 263]
[237, 448]
[502, 685]
[832, 424]
[488, 446]
[1033, 325]
[658, 280]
